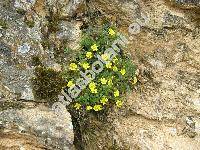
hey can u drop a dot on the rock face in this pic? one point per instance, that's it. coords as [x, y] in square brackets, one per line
[161, 113]
[163, 110]
[39, 123]
[13, 141]
[32, 34]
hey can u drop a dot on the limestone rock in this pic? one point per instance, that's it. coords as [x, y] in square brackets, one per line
[51, 130]
[163, 110]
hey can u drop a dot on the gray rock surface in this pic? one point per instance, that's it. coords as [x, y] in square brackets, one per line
[161, 113]
[163, 110]
[27, 33]
[41, 122]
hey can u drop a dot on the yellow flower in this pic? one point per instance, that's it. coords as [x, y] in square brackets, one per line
[123, 71]
[77, 106]
[104, 56]
[97, 107]
[111, 32]
[70, 84]
[134, 80]
[92, 85]
[73, 66]
[119, 103]
[109, 65]
[89, 55]
[115, 68]
[103, 81]
[88, 108]
[94, 47]
[115, 60]
[93, 91]
[110, 82]
[85, 65]
[104, 100]
[116, 93]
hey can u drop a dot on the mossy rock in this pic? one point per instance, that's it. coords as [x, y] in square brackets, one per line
[10, 105]
[30, 24]
[35, 61]
[3, 24]
[47, 84]
[21, 11]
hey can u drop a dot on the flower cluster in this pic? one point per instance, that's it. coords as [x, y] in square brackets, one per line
[109, 86]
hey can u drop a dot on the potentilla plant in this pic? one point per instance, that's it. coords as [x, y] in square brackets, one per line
[110, 84]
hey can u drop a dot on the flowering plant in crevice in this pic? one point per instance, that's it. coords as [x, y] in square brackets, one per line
[110, 85]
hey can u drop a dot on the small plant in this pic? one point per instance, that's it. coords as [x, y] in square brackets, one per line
[30, 23]
[5, 105]
[21, 11]
[36, 61]
[110, 85]
[3, 24]
[67, 50]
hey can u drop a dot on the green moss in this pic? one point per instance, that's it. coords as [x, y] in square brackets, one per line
[59, 51]
[30, 24]
[53, 21]
[45, 43]
[7, 4]
[36, 61]
[3, 24]
[10, 105]
[21, 11]
[47, 84]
